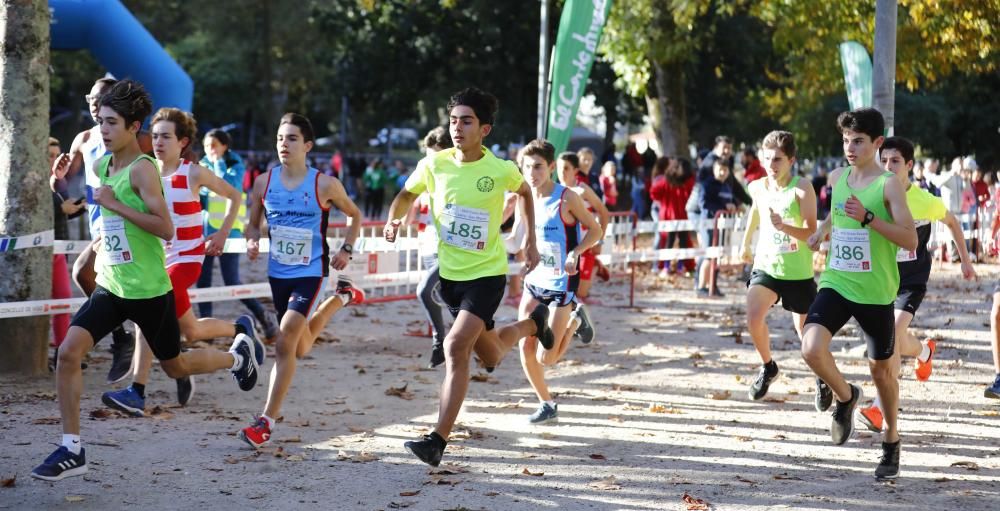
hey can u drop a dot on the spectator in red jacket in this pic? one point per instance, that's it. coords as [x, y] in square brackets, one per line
[671, 189]
[753, 170]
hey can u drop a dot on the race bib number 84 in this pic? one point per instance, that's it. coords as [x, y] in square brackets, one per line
[850, 250]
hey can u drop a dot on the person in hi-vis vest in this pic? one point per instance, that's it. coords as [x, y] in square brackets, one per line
[229, 166]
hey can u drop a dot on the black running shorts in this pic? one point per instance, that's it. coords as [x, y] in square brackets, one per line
[547, 296]
[878, 322]
[300, 294]
[155, 317]
[794, 295]
[909, 297]
[480, 296]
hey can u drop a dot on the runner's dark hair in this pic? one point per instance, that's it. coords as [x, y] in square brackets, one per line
[184, 124]
[220, 135]
[438, 139]
[540, 147]
[570, 157]
[302, 122]
[903, 145]
[783, 140]
[484, 104]
[129, 99]
[863, 120]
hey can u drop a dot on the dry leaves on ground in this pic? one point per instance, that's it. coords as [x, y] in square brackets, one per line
[530, 473]
[361, 457]
[968, 465]
[8, 483]
[447, 470]
[658, 408]
[597, 457]
[480, 377]
[399, 392]
[608, 483]
[74, 498]
[720, 396]
[694, 503]
[412, 493]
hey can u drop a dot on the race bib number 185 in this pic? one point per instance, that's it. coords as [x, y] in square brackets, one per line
[464, 227]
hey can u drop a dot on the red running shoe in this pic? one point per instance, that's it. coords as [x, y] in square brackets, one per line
[257, 435]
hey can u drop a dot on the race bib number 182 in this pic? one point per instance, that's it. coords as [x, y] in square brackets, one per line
[114, 242]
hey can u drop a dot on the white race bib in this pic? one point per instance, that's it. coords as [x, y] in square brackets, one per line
[114, 242]
[551, 256]
[850, 250]
[777, 242]
[465, 227]
[904, 256]
[291, 245]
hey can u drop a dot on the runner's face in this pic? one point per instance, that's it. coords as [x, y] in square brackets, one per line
[859, 149]
[893, 161]
[114, 130]
[166, 147]
[466, 131]
[213, 148]
[536, 170]
[92, 98]
[53, 154]
[720, 172]
[292, 147]
[586, 161]
[567, 172]
[776, 163]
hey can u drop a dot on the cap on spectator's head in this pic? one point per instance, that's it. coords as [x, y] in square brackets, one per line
[969, 163]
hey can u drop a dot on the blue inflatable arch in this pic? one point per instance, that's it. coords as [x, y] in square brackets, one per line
[121, 44]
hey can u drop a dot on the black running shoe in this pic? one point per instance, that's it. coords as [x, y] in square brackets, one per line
[758, 389]
[888, 466]
[246, 374]
[824, 396]
[586, 329]
[842, 425]
[437, 355]
[122, 347]
[541, 318]
[250, 329]
[429, 449]
[61, 464]
[185, 390]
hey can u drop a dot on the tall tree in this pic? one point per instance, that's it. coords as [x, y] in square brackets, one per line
[25, 200]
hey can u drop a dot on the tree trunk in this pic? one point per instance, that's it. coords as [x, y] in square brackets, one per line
[668, 109]
[884, 62]
[25, 199]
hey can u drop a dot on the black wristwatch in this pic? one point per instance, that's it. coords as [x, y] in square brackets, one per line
[869, 216]
[347, 247]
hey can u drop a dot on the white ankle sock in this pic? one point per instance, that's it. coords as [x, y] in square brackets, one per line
[925, 352]
[270, 421]
[72, 442]
[550, 403]
[877, 402]
[237, 361]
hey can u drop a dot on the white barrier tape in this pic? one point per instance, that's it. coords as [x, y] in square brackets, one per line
[38, 239]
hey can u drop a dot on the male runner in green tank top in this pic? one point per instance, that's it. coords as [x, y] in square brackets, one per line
[868, 222]
[782, 262]
[914, 268]
[132, 281]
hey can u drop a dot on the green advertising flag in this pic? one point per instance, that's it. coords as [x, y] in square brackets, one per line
[580, 29]
[857, 74]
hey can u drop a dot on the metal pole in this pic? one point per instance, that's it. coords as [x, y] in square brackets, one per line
[543, 68]
[343, 123]
[884, 62]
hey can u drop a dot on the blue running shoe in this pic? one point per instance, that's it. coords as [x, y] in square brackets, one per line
[125, 400]
[586, 329]
[993, 391]
[246, 374]
[250, 328]
[545, 413]
[61, 464]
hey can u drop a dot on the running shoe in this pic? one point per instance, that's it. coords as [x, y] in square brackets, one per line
[429, 449]
[185, 390]
[437, 354]
[993, 391]
[246, 324]
[356, 294]
[717, 293]
[61, 464]
[888, 466]
[758, 389]
[545, 413]
[244, 348]
[257, 435]
[922, 370]
[125, 400]
[541, 318]
[122, 347]
[586, 329]
[270, 326]
[842, 425]
[870, 417]
[824, 396]
[702, 292]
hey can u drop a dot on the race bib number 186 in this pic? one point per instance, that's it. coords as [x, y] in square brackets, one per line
[850, 250]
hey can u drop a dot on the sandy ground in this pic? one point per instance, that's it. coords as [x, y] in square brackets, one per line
[654, 410]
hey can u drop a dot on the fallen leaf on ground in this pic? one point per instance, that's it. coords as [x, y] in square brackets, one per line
[968, 465]
[615, 418]
[355, 429]
[440, 480]
[361, 457]
[744, 480]
[413, 493]
[785, 476]
[696, 356]
[295, 457]
[101, 413]
[720, 396]
[158, 412]
[74, 498]
[8, 483]
[399, 392]
[942, 480]
[291, 440]
[774, 400]
[447, 470]
[658, 408]
[694, 503]
[530, 473]
[597, 457]
[624, 388]
[608, 483]
[480, 377]
[509, 405]
[744, 439]
[491, 494]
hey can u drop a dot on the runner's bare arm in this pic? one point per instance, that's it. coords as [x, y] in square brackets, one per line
[75, 151]
[603, 215]
[527, 204]
[823, 229]
[753, 221]
[146, 183]
[579, 211]
[901, 231]
[332, 192]
[201, 176]
[251, 231]
[400, 205]
[968, 272]
[806, 196]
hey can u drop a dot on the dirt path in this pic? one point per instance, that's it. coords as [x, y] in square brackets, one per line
[655, 409]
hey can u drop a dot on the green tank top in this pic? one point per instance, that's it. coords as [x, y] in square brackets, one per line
[130, 261]
[778, 254]
[861, 265]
